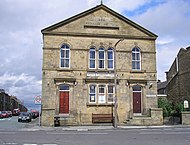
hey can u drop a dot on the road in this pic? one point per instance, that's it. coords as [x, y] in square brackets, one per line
[12, 123]
[151, 136]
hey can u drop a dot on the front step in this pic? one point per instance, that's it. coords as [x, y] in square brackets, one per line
[67, 121]
[139, 120]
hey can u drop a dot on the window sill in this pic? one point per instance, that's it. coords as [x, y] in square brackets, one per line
[64, 69]
[99, 105]
[138, 71]
[101, 70]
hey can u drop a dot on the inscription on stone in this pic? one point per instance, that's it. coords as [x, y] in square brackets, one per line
[101, 21]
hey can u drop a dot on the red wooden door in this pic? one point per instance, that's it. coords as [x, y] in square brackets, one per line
[64, 103]
[136, 102]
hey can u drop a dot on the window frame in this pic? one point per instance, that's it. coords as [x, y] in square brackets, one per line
[100, 94]
[93, 93]
[90, 59]
[110, 93]
[64, 48]
[108, 60]
[135, 60]
[101, 49]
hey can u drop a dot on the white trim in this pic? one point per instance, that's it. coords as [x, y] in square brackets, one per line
[90, 58]
[101, 59]
[151, 95]
[64, 58]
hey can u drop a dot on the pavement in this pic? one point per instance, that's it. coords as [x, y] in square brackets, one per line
[34, 126]
[98, 127]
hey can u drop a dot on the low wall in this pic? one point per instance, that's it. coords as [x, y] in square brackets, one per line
[157, 116]
[185, 116]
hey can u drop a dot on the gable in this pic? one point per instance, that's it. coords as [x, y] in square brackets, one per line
[99, 21]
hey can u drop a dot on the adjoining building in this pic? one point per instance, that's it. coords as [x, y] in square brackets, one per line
[161, 89]
[178, 78]
[9, 103]
[90, 56]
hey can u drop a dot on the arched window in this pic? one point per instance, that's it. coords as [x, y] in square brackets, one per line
[101, 58]
[136, 59]
[110, 58]
[92, 58]
[65, 56]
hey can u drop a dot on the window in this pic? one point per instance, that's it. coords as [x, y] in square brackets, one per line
[101, 94]
[110, 93]
[105, 93]
[101, 58]
[110, 59]
[92, 94]
[92, 58]
[136, 88]
[64, 87]
[136, 59]
[65, 56]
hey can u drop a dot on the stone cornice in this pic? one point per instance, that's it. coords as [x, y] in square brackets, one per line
[87, 49]
[73, 34]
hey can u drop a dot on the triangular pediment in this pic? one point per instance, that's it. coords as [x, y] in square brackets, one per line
[99, 20]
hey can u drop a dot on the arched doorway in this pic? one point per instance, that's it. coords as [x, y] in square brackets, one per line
[137, 99]
[64, 99]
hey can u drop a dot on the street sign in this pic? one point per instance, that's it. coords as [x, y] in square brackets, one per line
[186, 104]
[38, 100]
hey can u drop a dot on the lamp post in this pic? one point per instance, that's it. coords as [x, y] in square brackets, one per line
[115, 84]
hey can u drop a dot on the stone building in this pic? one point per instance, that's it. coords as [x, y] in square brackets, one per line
[178, 78]
[79, 73]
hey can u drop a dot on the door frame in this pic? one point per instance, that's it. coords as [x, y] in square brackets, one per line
[141, 104]
[68, 91]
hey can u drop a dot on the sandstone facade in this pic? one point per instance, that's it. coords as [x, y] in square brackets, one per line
[78, 68]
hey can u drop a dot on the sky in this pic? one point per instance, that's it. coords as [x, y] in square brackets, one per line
[21, 22]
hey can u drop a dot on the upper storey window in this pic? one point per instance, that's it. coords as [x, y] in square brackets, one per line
[136, 59]
[101, 58]
[65, 56]
[92, 58]
[110, 58]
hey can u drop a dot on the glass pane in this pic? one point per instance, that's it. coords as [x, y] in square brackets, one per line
[92, 54]
[137, 88]
[92, 63]
[64, 87]
[110, 55]
[102, 89]
[101, 64]
[137, 56]
[102, 99]
[138, 65]
[110, 89]
[133, 65]
[62, 53]
[110, 97]
[133, 56]
[67, 63]
[92, 98]
[92, 88]
[62, 62]
[101, 54]
[67, 53]
[110, 63]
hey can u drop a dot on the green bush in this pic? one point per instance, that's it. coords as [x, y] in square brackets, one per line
[169, 108]
[166, 106]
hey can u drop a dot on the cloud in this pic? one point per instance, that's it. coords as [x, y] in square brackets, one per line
[170, 20]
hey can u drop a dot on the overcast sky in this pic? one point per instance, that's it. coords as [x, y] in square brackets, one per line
[21, 22]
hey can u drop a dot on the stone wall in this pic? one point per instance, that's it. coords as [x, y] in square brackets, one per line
[79, 35]
[178, 78]
[185, 116]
